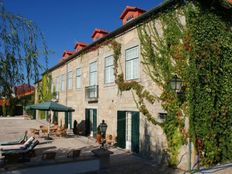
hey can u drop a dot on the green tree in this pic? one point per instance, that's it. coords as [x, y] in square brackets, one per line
[20, 43]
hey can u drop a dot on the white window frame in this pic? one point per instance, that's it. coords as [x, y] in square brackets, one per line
[109, 68]
[62, 82]
[57, 84]
[93, 73]
[78, 78]
[132, 62]
[70, 80]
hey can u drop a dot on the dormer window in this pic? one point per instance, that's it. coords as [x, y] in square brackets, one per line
[79, 46]
[98, 34]
[129, 18]
[130, 13]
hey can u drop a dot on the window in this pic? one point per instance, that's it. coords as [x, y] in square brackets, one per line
[129, 18]
[78, 78]
[62, 83]
[132, 63]
[93, 74]
[70, 80]
[109, 69]
[57, 84]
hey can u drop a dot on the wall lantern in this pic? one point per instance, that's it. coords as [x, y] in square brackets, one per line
[103, 127]
[176, 83]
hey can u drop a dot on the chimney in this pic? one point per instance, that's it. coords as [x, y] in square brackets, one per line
[79, 46]
[99, 33]
[130, 13]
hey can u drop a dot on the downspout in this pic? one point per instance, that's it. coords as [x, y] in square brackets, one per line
[66, 86]
[190, 155]
[66, 94]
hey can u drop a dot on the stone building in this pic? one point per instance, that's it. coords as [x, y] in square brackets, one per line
[84, 80]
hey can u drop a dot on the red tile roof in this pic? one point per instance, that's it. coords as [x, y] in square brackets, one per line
[96, 30]
[129, 8]
[67, 53]
[7, 102]
[82, 44]
[24, 90]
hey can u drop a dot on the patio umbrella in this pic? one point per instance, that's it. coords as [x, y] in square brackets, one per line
[50, 106]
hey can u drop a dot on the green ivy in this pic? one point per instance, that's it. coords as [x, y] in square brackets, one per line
[200, 53]
[211, 102]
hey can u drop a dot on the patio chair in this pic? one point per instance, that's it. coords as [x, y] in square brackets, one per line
[61, 132]
[23, 154]
[34, 131]
[44, 130]
[19, 146]
[19, 141]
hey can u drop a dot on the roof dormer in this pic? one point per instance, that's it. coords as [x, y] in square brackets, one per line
[79, 46]
[130, 13]
[99, 33]
[66, 54]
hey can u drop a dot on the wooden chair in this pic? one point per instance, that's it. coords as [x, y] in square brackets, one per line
[34, 131]
[44, 130]
[61, 132]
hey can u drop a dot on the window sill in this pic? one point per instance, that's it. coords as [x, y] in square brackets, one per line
[106, 85]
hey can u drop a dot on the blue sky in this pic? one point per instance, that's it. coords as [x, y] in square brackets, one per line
[64, 22]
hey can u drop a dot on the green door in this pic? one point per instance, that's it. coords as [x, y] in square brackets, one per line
[94, 122]
[135, 132]
[121, 129]
[87, 122]
[70, 119]
[66, 120]
[90, 122]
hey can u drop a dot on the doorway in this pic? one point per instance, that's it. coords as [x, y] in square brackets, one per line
[91, 122]
[128, 130]
[68, 120]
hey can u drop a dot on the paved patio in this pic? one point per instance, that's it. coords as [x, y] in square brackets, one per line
[120, 162]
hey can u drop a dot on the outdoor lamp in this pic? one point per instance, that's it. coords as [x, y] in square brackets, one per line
[103, 127]
[176, 83]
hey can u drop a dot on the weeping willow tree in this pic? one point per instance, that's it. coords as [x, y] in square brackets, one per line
[21, 45]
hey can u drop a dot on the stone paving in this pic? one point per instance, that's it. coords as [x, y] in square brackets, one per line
[121, 161]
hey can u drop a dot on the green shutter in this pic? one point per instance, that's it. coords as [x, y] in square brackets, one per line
[87, 122]
[66, 120]
[135, 132]
[70, 119]
[121, 129]
[94, 122]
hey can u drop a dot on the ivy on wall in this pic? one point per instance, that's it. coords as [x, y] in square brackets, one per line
[45, 92]
[164, 53]
[211, 84]
[141, 92]
[192, 41]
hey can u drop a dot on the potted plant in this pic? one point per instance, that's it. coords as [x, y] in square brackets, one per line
[98, 135]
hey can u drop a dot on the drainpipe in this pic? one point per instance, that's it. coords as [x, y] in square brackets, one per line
[66, 90]
[66, 93]
[190, 154]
